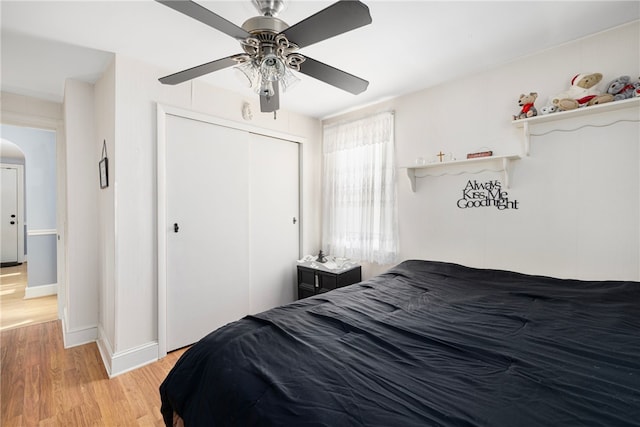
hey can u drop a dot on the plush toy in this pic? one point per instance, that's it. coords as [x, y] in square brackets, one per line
[621, 88]
[528, 109]
[636, 87]
[548, 109]
[583, 92]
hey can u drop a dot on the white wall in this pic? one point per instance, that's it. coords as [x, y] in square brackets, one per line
[578, 193]
[129, 336]
[82, 185]
[104, 116]
[26, 111]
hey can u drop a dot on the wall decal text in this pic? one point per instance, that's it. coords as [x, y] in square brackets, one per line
[485, 194]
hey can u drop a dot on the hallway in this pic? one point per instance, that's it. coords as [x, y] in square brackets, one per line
[15, 311]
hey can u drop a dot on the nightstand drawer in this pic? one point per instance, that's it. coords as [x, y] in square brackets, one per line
[307, 277]
[305, 290]
[327, 282]
[313, 281]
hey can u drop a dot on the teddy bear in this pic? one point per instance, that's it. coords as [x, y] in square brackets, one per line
[528, 109]
[583, 92]
[621, 88]
[548, 109]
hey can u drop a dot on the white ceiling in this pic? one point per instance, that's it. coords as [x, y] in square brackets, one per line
[410, 45]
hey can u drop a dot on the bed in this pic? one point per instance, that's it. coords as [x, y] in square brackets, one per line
[424, 344]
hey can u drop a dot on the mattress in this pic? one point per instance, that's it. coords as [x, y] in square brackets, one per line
[424, 344]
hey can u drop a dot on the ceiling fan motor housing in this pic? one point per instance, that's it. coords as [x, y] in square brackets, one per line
[265, 31]
[260, 24]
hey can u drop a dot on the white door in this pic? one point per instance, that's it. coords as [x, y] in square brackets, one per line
[232, 226]
[207, 214]
[274, 243]
[9, 215]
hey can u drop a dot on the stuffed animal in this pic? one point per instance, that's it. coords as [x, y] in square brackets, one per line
[621, 88]
[528, 109]
[583, 92]
[548, 109]
[636, 87]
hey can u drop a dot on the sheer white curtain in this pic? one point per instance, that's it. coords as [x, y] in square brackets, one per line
[359, 190]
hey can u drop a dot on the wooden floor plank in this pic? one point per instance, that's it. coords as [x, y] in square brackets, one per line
[42, 384]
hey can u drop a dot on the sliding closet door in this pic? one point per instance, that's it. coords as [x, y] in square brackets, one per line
[207, 214]
[274, 199]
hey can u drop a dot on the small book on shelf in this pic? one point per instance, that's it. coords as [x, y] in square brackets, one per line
[479, 154]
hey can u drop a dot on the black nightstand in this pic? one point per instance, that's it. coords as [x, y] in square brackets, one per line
[318, 279]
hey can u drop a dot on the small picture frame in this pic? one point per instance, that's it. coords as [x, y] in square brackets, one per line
[103, 166]
[104, 172]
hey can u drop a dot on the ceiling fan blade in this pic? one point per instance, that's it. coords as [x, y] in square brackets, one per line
[340, 17]
[200, 70]
[269, 104]
[333, 76]
[204, 15]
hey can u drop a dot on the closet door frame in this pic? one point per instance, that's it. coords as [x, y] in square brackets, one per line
[161, 187]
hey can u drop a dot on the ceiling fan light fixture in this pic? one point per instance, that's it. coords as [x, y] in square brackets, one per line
[247, 73]
[272, 68]
[289, 80]
[266, 89]
[261, 77]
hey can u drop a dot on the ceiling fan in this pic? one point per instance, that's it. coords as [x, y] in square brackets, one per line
[271, 46]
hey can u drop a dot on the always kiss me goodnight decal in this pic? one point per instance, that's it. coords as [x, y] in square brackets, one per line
[485, 194]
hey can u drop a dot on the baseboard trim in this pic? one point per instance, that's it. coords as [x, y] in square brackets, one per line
[40, 291]
[78, 336]
[124, 361]
[104, 347]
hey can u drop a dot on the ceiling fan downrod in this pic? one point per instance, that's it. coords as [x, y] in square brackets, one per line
[269, 7]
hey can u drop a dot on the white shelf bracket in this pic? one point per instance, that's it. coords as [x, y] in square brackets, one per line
[505, 166]
[527, 138]
[411, 173]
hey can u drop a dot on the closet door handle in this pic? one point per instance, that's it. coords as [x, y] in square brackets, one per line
[175, 227]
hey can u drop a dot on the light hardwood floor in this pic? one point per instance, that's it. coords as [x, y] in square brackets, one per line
[42, 384]
[15, 311]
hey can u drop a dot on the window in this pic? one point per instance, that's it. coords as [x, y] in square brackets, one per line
[359, 190]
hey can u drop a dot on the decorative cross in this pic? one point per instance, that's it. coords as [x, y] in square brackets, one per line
[441, 155]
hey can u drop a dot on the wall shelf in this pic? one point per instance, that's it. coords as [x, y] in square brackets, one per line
[503, 163]
[457, 167]
[579, 112]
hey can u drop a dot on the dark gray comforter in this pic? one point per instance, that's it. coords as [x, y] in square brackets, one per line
[425, 344]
